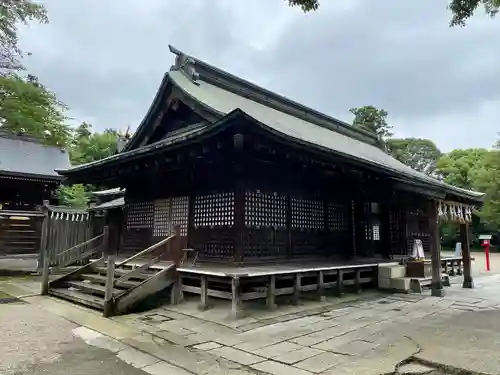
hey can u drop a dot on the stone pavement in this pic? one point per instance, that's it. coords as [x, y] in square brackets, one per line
[344, 336]
[369, 334]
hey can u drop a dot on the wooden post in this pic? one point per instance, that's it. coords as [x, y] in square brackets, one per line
[105, 241]
[321, 286]
[203, 293]
[176, 295]
[435, 247]
[340, 283]
[271, 293]
[464, 238]
[357, 280]
[236, 308]
[239, 222]
[44, 256]
[110, 283]
[44, 231]
[298, 287]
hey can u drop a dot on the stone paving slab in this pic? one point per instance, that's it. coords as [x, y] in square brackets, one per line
[297, 355]
[320, 363]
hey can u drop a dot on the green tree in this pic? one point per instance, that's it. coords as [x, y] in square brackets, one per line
[461, 167]
[373, 120]
[461, 10]
[418, 153]
[26, 106]
[88, 146]
[72, 195]
[12, 14]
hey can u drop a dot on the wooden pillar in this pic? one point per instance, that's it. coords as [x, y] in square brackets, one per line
[236, 306]
[464, 238]
[340, 283]
[176, 295]
[110, 283]
[435, 248]
[386, 230]
[239, 221]
[271, 293]
[298, 288]
[239, 196]
[321, 286]
[203, 293]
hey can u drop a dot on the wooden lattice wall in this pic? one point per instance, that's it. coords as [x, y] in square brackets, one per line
[213, 221]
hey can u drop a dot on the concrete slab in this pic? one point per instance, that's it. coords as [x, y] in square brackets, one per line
[320, 363]
[137, 358]
[275, 368]
[237, 356]
[164, 368]
[207, 346]
[297, 355]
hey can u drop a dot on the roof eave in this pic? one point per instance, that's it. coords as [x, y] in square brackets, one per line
[34, 176]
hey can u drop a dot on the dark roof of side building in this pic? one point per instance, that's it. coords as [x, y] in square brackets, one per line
[23, 156]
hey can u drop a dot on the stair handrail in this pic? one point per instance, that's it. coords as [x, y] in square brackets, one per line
[147, 250]
[80, 244]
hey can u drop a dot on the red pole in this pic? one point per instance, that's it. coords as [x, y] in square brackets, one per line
[486, 245]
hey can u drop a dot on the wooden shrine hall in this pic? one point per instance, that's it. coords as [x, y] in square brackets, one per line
[27, 179]
[261, 186]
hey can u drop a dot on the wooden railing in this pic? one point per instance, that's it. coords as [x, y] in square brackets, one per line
[166, 249]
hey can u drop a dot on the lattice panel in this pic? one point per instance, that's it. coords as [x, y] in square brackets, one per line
[179, 212]
[307, 214]
[140, 215]
[376, 232]
[219, 249]
[265, 210]
[338, 217]
[398, 230]
[161, 223]
[214, 210]
[266, 242]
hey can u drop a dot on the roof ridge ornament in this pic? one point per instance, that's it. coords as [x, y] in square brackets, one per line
[186, 64]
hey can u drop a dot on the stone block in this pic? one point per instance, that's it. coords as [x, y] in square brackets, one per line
[384, 283]
[402, 283]
[320, 363]
[392, 271]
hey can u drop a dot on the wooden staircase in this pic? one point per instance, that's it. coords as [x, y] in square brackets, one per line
[117, 287]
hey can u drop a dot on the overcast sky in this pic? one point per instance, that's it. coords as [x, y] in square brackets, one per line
[105, 59]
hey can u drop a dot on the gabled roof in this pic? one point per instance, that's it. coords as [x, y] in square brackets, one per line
[224, 96]
[23, 156]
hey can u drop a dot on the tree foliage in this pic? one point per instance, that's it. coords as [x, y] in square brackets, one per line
[461, 10]
[373, 120]
[418, 153]
[12, 14]
[26, 106]
[88, 146]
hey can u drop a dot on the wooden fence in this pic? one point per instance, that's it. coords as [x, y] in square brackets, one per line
[63, 229]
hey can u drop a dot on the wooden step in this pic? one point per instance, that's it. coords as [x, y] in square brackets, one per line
[87, 287]
[101, 279]
[121, 272]
[78, 297]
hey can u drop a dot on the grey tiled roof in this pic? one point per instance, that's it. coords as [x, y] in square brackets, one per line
[23, 156]
[224, 102]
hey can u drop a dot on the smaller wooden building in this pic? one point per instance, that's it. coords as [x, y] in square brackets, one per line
[27, 179]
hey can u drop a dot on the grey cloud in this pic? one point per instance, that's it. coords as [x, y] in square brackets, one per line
[106, 58]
